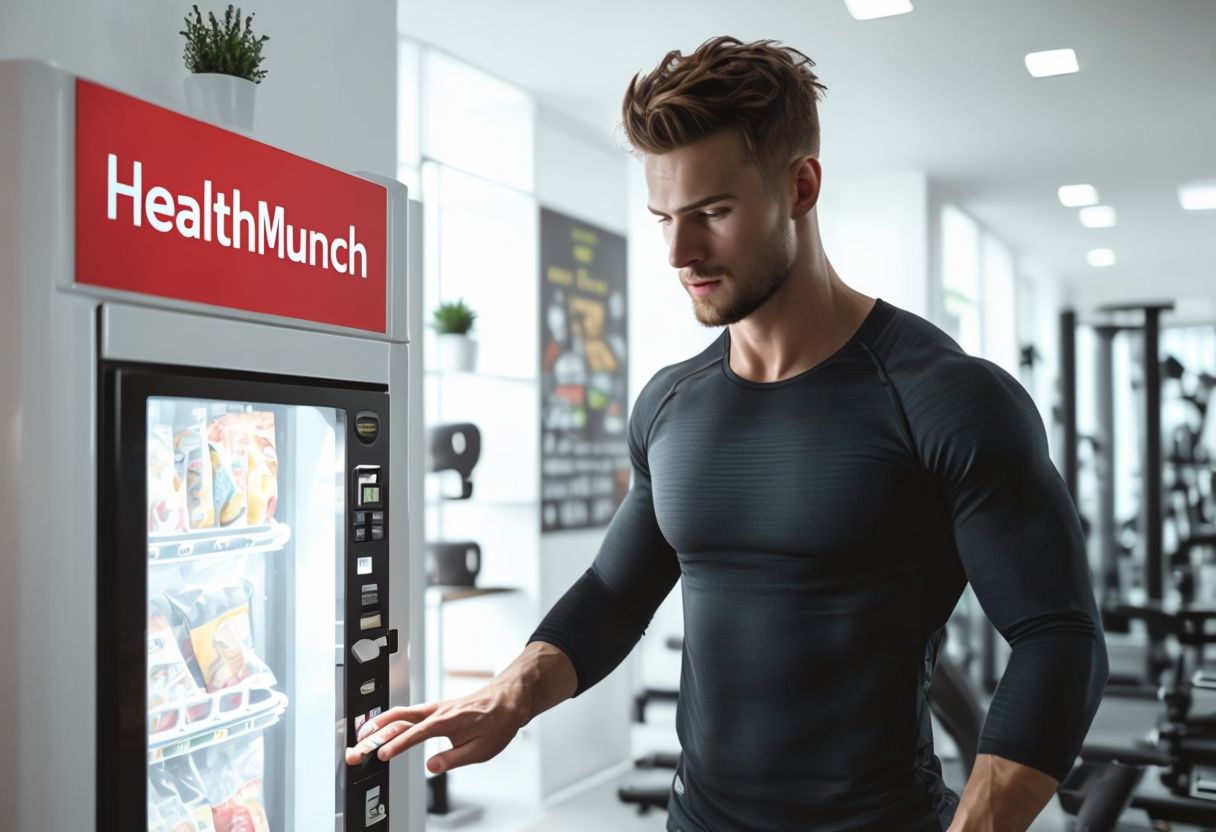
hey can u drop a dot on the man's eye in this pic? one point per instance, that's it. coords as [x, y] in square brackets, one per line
[714, 213]
[662, 220]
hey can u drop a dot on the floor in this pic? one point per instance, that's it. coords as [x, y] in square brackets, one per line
[597, 808]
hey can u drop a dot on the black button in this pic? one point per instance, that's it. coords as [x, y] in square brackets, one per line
[360, 534]
[377, 532]
[360, 518]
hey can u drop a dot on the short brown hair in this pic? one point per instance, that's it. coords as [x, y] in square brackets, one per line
[765, 90]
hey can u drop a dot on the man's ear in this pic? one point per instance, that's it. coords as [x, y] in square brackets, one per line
[807, 176]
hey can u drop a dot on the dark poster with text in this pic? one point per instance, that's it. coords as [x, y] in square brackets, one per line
[583, 327]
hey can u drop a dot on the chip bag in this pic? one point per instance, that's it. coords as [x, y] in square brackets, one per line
[196, 458]
[167, 511]
[169, 676]
[234, 785]
[220, 635]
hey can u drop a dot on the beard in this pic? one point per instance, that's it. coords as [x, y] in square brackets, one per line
[738, 297]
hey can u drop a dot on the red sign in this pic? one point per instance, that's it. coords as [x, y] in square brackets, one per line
[173, 207]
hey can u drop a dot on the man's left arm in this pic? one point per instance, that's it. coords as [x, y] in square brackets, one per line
[1020, 543]
[1002, 796]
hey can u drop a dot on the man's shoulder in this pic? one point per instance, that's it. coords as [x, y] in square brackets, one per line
[668, 378]
[936, 380]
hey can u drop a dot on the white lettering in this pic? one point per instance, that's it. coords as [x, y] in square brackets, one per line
[221, 213]
[333, 254]
[159, 207]
[315, 237]
[240, 218]
[293, 255]
[187, 219]
[261, 232]
[355, 250]
[270, 229]
[207, 210]
[115, 189]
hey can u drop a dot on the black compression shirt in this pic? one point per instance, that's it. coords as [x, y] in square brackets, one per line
[824, 527]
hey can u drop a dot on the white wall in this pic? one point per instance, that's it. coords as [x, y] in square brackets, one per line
[584, 176]
[876, 233]
[330, 92]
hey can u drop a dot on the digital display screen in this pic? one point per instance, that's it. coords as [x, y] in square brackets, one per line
[371, 495]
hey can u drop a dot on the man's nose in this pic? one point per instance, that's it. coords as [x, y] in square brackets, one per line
[684, 249]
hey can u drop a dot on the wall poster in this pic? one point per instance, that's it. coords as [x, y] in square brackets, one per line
[583, 329]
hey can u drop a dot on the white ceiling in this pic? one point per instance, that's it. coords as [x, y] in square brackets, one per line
[942, 89]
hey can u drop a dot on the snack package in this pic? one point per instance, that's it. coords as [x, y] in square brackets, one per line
[228, 471]
[166, 489]
[220, 635]
[189, 785]
[263, 489]
[234, 784]
[248, 439]
[196, 458]
[174, 815]
[169, 677]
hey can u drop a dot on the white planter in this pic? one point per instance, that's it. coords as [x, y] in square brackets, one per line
[457, 353]
[224, 99]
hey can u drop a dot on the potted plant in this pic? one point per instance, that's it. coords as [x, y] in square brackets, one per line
[225, 62]
[457, 351]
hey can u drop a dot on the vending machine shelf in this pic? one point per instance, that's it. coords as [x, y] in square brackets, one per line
[187, 547]
[217, 717]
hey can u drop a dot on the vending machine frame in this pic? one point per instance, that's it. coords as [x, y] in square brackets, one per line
[70, 652]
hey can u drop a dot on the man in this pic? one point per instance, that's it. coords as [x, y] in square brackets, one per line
[825, 478]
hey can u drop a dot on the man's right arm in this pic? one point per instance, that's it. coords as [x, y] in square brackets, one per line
[584, 637]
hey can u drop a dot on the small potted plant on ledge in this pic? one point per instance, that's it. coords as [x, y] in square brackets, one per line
[225, 61]
[457, 351]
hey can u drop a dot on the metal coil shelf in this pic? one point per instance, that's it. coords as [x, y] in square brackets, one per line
[188, 547]
[207, 720]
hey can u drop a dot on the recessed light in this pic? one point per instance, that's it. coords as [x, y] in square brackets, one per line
[1052, 62]
[1076, 196]
[1199, 195]
[1098, 216]
[1100, 257]
[870, 9]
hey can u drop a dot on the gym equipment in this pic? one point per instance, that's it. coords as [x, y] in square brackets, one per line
[452, 563]
[456, 447]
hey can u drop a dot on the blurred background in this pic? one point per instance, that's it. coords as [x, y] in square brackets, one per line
[1058, 221]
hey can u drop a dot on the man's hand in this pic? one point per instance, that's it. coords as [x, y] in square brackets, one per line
[479, 727]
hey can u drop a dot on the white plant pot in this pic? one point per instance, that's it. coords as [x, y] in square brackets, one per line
[224, 99]
[457, 353]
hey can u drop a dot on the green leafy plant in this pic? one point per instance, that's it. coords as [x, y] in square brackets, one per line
[453, 318]
[227, 48]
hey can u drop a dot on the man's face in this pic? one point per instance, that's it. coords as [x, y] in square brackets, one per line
[726, 232]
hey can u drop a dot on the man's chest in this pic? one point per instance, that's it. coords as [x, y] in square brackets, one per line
[817, 477]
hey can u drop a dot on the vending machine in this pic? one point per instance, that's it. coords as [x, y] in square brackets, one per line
[205, 416]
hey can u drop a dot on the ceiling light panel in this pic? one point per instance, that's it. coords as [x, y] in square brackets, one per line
[1101, 257]
[1051, 62]
[1098, 216]
[1199, 195]
[1077, 196]
[870, 9]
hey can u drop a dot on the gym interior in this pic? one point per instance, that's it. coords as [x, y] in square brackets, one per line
[1059, 223]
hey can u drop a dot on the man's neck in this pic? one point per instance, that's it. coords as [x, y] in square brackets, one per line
[811, 317]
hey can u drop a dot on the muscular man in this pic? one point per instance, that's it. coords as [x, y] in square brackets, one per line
[825, 478]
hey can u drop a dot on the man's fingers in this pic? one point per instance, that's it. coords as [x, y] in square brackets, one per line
[473, 751]
[402, 713]
[421, 732]
[370, 743]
